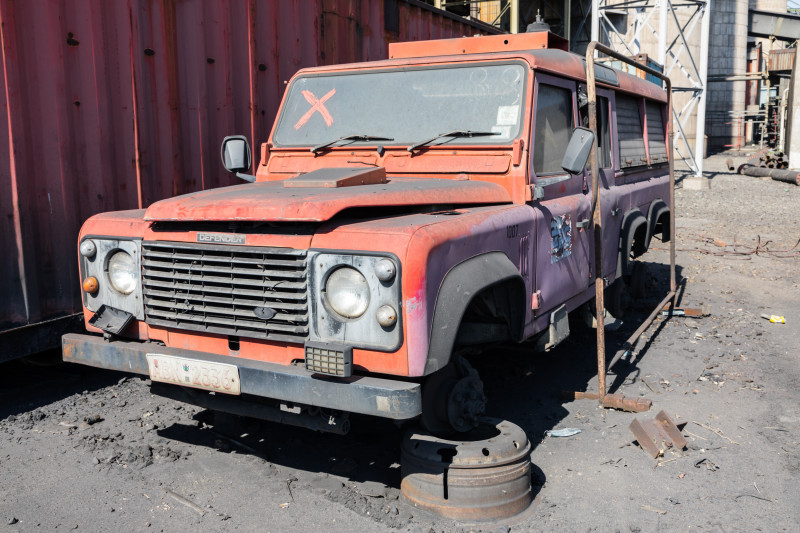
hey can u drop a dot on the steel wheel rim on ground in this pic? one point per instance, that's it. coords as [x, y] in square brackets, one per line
[484, 475]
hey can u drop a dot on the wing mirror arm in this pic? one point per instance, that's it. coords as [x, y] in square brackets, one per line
[237, 157]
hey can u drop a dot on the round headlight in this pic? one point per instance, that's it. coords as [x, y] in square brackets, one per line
[347, 292]
[122, 272]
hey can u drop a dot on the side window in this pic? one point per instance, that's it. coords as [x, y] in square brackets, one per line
[656, 135]
[603, 127]
[554, 125]
[631, 135]
[603, 134]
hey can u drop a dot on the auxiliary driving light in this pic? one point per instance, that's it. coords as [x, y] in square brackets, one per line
[90, 285]
[385, 270]
[88, 249]
[386, 316]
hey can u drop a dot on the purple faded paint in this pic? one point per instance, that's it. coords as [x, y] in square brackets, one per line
[116, 105]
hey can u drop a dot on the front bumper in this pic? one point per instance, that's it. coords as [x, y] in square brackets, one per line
[399, 400]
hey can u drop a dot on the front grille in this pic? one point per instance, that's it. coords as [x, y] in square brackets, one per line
[250, 292]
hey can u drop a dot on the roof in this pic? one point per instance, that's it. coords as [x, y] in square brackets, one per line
[543, 50]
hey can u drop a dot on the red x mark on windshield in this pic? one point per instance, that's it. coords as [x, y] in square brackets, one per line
[316, 105]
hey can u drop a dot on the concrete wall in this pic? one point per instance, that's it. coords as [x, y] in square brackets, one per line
[727, 55]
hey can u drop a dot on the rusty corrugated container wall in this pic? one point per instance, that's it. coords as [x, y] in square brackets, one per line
[781, 60]
[114, 105]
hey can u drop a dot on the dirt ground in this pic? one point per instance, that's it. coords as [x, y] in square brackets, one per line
[90, 450]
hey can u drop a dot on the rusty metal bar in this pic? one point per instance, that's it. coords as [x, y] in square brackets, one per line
[591, 91]
[597, 226]
[631, 342]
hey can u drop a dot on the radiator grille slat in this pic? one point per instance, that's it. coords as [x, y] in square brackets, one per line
[197, 297]
[269, 293]
[215, 269]
[217, 289]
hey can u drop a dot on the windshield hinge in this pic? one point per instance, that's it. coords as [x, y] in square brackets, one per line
[264, 154]
[516, 152]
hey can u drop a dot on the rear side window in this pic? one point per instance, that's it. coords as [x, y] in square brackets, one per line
[554, 125]
[631, 135]
[656, 135]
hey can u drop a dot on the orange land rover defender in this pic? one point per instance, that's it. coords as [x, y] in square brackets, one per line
[402, 211]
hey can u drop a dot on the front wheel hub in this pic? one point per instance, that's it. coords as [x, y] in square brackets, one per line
[453, 399]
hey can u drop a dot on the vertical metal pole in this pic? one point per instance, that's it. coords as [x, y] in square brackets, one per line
[597, 226]
[673, 283]
[662, 32]
[514, 16]
[699, 142]
[568, 23]
[595, 20]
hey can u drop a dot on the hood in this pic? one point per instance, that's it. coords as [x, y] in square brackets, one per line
[273, 201]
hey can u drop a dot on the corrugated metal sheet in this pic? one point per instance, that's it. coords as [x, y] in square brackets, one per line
[114, 105]
[781, 60]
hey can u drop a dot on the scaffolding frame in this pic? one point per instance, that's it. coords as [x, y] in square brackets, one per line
[674, 54]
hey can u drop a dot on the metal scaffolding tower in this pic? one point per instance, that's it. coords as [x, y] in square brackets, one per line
[672, 54]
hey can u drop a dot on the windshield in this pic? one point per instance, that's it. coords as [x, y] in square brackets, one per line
[407, 105]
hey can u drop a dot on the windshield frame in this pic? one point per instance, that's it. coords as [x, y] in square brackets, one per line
[524, 117]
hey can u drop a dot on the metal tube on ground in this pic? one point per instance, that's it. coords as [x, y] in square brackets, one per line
[778, 174]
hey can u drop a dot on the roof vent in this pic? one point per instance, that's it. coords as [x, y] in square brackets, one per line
[538, 25]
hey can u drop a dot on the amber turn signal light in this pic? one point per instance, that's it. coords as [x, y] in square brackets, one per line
[90, 285]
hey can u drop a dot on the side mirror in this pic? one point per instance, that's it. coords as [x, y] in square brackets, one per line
[578, 150]
[236, 156]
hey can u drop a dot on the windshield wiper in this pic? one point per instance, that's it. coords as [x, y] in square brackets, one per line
[319, 147]
[454, 133]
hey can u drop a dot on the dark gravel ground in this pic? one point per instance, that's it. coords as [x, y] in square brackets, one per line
[90, 450]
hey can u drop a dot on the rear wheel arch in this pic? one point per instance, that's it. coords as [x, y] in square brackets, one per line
[632, 238]
[490, 273]
[657, 221]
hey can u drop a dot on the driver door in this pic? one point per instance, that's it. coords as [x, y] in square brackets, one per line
[562, 201]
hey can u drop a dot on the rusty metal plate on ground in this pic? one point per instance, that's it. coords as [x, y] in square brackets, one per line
[658, 434]
[483, 475]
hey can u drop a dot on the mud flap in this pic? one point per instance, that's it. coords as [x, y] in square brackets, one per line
[557, 332]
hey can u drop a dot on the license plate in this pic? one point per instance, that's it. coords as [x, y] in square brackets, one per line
[217, 377]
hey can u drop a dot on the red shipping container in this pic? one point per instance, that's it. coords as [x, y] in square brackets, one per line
[115, 105]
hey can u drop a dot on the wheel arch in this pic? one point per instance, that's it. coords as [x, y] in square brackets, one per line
[658, 214]
[633, 223]
[459, 288]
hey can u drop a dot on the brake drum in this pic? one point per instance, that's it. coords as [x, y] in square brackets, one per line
[483, 475]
